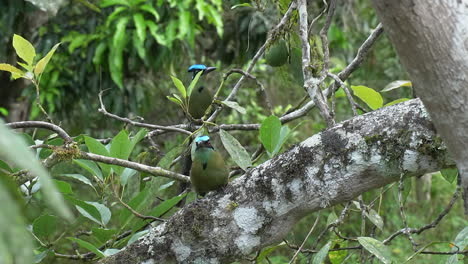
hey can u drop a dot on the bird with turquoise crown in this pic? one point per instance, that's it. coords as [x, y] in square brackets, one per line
[201, 97]
[208, 172]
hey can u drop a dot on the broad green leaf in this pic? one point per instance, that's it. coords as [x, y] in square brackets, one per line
[235, 106]
[45, 226]
[126, 174]
[90, 166]
[115, 14]
[24, 49]
[241, 5]
[337, 257]
[377, 248]
[103, 235]
[12, 69]
[39, 257]
[137, 204]
[139, 45]
[396, 101]
[462, 239]
[45, 152]
[237, 152]
[13, 148]
[116, 52]
[319, 258]
[332, 217]
[120, 148]
[375, 218]
[193, 83]
[449, 174]
[160, 38]
[368, 95]
[396, 84]
[5, 166]
[88, 246]
[161, 209]
[19, 249]
[270, 131]
[180, 86]
[136, 236]
[284, 134]
[140, 25]
[63, 187]
[166, 161]
[99, 52]
[78, 177]
[267, 251]
[40, 66]
[87, 210]
[103, 211]
[96, 147]
[165, 186]
[137, 138]
[453, 260]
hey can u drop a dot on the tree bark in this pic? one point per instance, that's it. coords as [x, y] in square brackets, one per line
[259, 208]
[431, 38]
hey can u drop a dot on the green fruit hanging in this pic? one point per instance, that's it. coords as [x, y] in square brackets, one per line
[277, 54]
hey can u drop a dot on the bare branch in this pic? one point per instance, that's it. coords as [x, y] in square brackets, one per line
[44, 125]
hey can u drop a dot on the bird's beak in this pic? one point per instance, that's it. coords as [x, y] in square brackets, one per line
[209, 69]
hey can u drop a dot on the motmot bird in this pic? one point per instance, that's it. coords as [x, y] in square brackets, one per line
[209, 172]
[200, 98]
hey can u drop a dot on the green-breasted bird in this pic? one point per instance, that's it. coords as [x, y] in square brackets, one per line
[209, 172]
[201, 97]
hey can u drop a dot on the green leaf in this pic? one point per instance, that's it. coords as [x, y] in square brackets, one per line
[449, 174]
[375, 218]
[332, 217]
[397, 101]
[12, 69]
[180, 86]
[103, 211]
[87, 210]
[161, 209]
[140, 24]
[103, 235]
[319, 258]
[111, 251]
[24, 49]
[270, 131]
[13, 148]
[150, 9]
[136, 236]
[5, 166]
[40, 66]
[107, 3]
[137, 138]
[241, 5]
[238, 153]
[39, 257]
[377, 248]
[175, 100]
[98, 53]
[45, 226]
[96, 147]
[126, 174]
[368, 95]
[337, 257]
[235, 106]
[90, 166]
[193, 83]
[79, 177]
[120, 148]
[396, 84]
[284, 134]
[63, 187]
[267, 251]
[462, 239]
[116, 52]
[137, 203]
[166, 161]
[88, 246]
[139, 45]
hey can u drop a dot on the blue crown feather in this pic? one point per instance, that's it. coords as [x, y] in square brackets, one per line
[202, 138]
[197, 67]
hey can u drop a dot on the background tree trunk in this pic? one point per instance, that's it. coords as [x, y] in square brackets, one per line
[259, 208]
[431, 38]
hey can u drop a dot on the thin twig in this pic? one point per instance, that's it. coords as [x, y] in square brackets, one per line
[305, 239]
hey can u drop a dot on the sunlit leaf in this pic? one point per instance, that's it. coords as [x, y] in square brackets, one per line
[241, 5]
[180, 86]
[369, 96]
[395, 85]
[10, 68]
[24, 49]
[40, 66]
[397, 101]
[237, 152]
[319, 258]
[193, 83]
[270, 132]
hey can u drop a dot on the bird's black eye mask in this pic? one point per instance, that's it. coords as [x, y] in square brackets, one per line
[204, 144]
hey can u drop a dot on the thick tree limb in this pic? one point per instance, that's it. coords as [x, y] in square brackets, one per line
[259, 208]
[431, 40]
